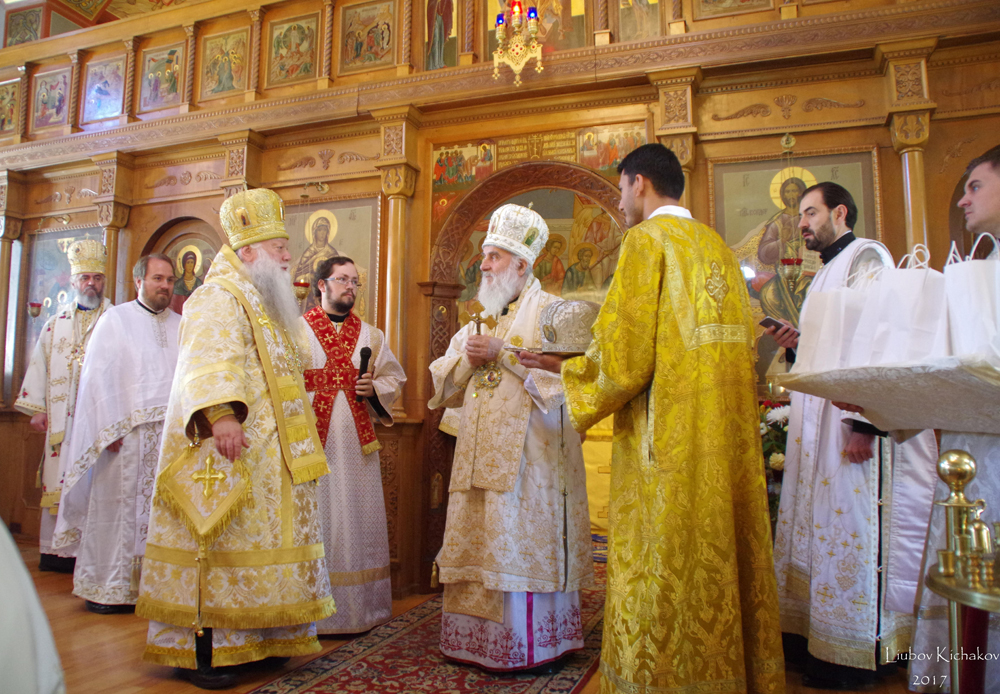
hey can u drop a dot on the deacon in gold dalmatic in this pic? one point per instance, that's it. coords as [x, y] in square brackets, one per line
[691, 603]
[236, 545]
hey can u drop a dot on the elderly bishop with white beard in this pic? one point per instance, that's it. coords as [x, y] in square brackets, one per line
[351, 506]
[517, 536]
[234, 569]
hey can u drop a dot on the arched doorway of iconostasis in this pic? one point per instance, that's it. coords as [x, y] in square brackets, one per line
[191, 244]
[580, 207]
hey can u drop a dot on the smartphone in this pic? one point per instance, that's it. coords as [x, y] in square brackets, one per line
[769, 322]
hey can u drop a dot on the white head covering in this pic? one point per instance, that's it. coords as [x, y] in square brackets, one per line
[520, 230]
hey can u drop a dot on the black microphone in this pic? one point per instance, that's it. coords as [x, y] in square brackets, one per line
[366, 354]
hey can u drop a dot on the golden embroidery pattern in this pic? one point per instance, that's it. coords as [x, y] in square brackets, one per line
[716, 286]
[488, 377]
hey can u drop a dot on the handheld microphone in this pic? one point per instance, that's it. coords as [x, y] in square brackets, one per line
[366, 354]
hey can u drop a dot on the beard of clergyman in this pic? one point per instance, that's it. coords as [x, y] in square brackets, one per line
[275, 287]
[494, 295]
[89, 298]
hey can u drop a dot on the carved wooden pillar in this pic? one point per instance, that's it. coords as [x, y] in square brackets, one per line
[113, 207]
[602, 30]
[397, 184]
[405, 65]
[73, 120]
[674, 117]
[113, 216]
[128, 110]
[22, 115]
[10, 230]
[326, 66]
[189, 104]
[253, 82]
[468, 15]
[910, 107]
[243, 165]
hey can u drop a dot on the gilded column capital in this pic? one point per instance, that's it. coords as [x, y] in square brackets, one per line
[116, 179]
[243, 160]
[399, 134]
[910, 130]
[904, 65]
[398, 180]
[675, 109]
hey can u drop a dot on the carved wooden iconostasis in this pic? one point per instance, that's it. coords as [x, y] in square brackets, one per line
[380, 124]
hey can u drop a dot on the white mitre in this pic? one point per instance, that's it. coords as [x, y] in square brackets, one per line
[520, 230]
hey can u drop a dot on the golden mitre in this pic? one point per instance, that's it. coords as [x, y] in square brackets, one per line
[253, 215]
[517, 229]
[87, 255]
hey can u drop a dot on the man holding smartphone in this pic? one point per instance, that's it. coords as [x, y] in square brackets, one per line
[829, 548]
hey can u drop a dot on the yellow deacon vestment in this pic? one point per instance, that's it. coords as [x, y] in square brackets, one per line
[692, 603]
[235, 546]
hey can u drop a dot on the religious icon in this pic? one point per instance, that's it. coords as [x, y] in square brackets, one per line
[441, 36]
[224, 64]
[604, 147]
[51, 100]
[321, 229]
[549, 267]
[162, 72]
[189, 276]
[638, 19]
[367, 36]
[721, 8]
[10, 102]
[292, 51]
[104, 89]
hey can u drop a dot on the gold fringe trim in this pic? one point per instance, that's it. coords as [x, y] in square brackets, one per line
[244, 501]
[375, 445]
[171, 657]
[308, 473]
[434, 575]
[268, 618]
[288, 648]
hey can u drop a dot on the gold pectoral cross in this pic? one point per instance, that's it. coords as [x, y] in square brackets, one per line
[208, 477]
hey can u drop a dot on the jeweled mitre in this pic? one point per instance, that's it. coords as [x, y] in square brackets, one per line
[253, 215]
[520, 230]
[87, 255]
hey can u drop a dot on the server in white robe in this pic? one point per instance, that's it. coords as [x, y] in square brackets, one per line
[854, 506]
[115, 444]
[351, 505]
[928, 672]
[517, 546]
[48, 392]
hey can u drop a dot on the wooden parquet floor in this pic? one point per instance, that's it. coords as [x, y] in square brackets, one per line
[101, 654]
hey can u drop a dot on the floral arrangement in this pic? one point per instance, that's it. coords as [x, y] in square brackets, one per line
[774, 437]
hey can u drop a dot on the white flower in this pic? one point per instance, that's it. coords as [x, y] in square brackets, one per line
[777, 461]
[778, 414]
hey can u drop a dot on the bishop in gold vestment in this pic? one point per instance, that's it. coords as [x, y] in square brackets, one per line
[692, 602]
[235, 544]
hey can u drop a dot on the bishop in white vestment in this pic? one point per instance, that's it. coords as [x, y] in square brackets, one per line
[48, 392]
[112, 453]
[845, 581]
[351, 505]
[517, 544]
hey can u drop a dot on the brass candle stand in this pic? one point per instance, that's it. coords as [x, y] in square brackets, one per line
[966, 571]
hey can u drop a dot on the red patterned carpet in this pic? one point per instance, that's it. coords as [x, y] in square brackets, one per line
[402, 656]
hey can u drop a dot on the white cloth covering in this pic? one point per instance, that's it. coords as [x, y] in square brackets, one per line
[930, 672]
[123, 394]
[29, 663]
[350, 500]
[828, 541]
[537, 628]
